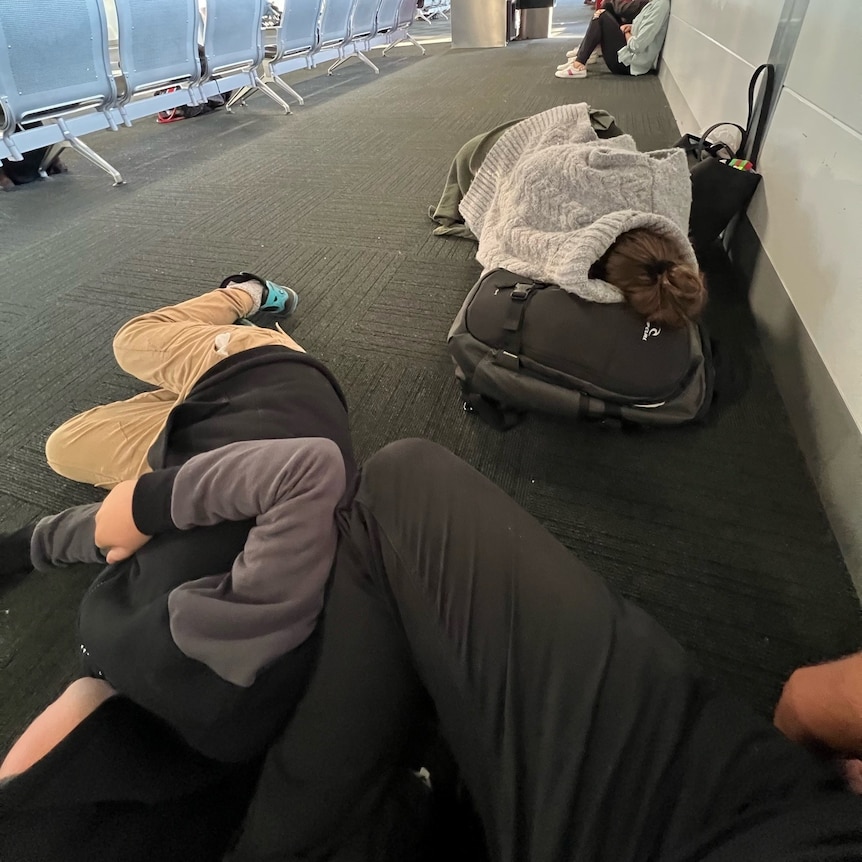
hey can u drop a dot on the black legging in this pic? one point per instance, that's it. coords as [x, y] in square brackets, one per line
[604, 31]
[580, 727]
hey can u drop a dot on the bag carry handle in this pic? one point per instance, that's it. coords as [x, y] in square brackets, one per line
[754, 137]
[713, 148]
[749, 135]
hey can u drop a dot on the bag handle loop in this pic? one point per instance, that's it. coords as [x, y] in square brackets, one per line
[712, 149]
[750, 136]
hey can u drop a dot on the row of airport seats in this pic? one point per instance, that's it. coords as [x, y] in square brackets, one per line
[57, 82]
[431, 9]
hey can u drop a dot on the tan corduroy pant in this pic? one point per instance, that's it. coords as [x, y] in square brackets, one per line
[170, 348]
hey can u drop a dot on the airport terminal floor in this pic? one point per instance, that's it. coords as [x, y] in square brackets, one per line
[717, 530]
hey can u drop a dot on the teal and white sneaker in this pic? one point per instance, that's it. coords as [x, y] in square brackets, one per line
[277, 300]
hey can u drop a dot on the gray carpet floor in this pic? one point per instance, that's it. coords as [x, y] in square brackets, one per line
[717, 530]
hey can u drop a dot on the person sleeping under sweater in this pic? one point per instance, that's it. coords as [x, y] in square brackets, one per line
[553, 202]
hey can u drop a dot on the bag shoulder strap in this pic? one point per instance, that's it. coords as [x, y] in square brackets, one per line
[752, 138]
[519, 299]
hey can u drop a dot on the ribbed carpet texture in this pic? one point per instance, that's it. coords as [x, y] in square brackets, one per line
[716, 529]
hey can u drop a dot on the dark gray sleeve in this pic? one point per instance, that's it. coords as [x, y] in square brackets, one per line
[270, 600]
[66, 538]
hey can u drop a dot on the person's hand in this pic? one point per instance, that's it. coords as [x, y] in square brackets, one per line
[116, 534]
[597, 13]
[626, 30]
[821, 707]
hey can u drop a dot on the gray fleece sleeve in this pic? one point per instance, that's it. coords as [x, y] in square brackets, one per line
[66, 538]
[268, 603]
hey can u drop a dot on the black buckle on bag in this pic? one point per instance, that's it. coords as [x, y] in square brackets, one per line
[521, 292]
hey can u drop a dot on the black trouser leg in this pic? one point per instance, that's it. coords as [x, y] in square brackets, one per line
[561, 703]
[331, 785]
[592, 39]
[612, 41]
[580, 728]
[610, 38]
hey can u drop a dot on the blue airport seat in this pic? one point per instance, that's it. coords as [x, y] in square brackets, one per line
[158, 49]
[233, 49]
[405, 14]
[296, 40]
[50, 98]
[362, 27]
[334, 30]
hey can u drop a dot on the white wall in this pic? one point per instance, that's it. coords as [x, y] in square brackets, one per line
[712, 48]
[808, 210]
[808, 214]
[806, 288]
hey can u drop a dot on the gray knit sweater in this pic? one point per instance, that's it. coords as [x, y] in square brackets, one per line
[551, 198]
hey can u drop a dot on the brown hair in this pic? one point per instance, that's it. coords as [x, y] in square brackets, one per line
[648, 268]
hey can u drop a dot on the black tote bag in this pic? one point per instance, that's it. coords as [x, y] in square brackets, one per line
[718, 190]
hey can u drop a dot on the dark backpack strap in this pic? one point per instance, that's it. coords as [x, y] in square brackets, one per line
[519, 298]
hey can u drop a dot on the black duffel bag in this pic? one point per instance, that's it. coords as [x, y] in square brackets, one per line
[521, 345]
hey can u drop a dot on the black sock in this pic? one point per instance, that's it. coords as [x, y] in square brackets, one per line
[15, 551]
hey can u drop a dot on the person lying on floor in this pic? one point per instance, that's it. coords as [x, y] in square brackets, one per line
[568, 711]
[219, 379]
[209, 633]
[553, 202]
[628, 45]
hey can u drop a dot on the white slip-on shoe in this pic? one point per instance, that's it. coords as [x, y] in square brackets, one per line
[571, 72]
[594, 58]
[565, 65]
[573, 53]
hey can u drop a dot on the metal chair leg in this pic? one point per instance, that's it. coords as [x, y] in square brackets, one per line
[271, 94]
[80, 147]
[288, 89]
[414, 42]
[238, 95]
[360, 56]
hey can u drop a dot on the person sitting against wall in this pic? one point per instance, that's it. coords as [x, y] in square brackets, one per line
[627, 48]
[553, 202]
